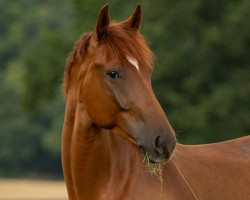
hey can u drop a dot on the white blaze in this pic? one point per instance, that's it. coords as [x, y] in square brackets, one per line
[134, 62]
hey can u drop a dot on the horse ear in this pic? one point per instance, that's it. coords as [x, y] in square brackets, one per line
[102, 22]
[134, 21]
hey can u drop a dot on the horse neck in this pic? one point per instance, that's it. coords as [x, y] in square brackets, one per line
[94, 158]
[98, 164]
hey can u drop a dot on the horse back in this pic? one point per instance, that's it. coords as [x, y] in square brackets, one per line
[218, 170]
[231, 149]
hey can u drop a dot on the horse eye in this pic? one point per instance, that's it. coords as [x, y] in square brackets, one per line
[113, 74]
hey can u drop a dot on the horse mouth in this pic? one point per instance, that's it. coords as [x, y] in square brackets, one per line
[155, 158]
[160, 159]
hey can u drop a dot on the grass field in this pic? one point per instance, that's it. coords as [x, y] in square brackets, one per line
[11, 189]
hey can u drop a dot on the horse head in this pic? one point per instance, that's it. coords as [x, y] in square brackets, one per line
[115, 85]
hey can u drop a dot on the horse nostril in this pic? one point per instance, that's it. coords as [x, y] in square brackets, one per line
[157, 145]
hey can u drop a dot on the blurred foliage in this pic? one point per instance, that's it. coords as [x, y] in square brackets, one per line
[201, 77]
[36, 37]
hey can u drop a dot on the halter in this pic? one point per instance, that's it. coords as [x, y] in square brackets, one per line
[185, 180]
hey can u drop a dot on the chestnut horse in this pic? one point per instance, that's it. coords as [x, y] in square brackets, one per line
[112, 118]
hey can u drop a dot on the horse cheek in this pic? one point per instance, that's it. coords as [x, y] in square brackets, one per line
[99, 106]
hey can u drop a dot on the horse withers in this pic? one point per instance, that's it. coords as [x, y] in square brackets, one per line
[113, 120]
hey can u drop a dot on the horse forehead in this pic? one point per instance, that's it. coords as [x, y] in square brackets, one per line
[134, 62]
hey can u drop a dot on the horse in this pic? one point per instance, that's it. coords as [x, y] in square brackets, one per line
[114, 124]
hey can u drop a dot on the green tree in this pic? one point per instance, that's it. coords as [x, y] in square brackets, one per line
[201, 75]
[202, 68]
[35, 40]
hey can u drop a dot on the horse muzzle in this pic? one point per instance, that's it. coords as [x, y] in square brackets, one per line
[160, 149]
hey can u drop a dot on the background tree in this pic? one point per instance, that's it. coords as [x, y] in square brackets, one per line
[201, 75]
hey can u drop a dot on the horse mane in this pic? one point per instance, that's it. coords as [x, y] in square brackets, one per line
[76, 56]
[119, 42]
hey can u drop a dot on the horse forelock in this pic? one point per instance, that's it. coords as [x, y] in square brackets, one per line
[119, 43]
[122, 42]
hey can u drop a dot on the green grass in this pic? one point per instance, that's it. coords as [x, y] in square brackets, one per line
[153, 169]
